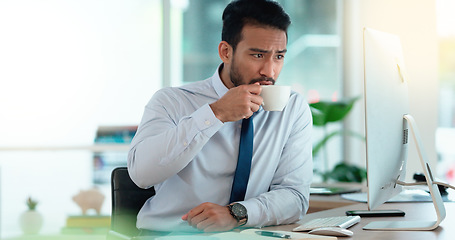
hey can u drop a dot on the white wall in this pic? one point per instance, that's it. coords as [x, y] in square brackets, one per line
[67, 67]
[415, 23]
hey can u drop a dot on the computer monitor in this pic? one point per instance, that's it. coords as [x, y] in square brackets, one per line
[388, 124]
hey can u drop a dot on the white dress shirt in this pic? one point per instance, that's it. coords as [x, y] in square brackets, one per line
[190, 157]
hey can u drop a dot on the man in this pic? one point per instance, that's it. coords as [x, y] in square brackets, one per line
[187, 144]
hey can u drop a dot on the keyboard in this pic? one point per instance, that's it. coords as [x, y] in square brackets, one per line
[339, 221]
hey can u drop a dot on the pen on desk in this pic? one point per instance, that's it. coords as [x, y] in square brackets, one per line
[273, 234]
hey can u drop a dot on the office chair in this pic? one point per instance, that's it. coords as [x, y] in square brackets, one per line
[127, 200]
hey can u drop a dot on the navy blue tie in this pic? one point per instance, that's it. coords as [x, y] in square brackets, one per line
[242, 172]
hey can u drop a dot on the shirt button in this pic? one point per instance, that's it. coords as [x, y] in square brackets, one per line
[185, 143]
[207, 122]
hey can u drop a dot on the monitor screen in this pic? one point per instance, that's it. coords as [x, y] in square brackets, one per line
[386, 102]
[387, 121]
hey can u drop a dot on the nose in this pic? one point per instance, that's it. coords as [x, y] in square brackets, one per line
[268, 69]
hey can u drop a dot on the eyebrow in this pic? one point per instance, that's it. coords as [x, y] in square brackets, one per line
[267, 51]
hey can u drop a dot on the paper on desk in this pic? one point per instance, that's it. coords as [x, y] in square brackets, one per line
[248, 234]
[294, 235]
[188, 237]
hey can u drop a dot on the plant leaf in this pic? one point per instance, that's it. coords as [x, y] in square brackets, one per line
[323, 141]
[318, 146]
[344, 172]
[325, 111]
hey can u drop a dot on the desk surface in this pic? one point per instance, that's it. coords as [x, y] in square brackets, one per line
[414, 211]
[325, 202]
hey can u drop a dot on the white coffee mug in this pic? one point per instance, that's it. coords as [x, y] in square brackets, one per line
[275, 97]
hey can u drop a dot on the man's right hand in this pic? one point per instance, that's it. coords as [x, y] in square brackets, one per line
[238, 103]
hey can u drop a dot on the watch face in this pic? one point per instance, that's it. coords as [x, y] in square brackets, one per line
[239, 210]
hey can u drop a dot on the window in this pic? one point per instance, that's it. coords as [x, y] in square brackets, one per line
[445, 135]
[312, 64]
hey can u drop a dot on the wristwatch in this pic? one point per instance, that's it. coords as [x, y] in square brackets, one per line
[238, 211]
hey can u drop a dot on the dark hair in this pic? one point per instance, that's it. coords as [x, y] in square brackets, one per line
[255, 12]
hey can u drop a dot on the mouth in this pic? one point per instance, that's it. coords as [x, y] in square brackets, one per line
[264, 81]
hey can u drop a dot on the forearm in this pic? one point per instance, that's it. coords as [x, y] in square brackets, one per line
[281, 206]
[287, 200]
[161, 148]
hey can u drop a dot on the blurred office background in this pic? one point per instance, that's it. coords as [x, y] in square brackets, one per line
[75, 74]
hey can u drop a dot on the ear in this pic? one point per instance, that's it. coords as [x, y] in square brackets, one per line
[225, 52]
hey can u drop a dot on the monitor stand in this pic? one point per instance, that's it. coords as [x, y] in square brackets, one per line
[434, 192]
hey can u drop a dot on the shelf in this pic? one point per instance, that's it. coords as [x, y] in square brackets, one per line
[120, 147]
[58, 237]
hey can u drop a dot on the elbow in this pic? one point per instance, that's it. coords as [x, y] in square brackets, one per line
[136, 172]
[136, 180]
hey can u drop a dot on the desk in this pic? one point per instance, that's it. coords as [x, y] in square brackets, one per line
[321, 203]
[325, 202]
[414, 211]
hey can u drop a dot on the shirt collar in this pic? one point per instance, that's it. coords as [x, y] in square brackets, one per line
[217, 83]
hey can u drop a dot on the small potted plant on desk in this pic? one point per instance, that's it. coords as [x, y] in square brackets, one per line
[31, 220]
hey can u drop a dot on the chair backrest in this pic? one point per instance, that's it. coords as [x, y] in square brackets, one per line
[127, 200]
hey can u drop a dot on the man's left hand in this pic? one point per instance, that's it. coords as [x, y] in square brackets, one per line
[210, 217]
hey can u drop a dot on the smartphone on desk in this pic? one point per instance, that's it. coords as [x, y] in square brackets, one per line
[376, 213]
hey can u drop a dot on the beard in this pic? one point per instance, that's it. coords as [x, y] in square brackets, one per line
[237, 79]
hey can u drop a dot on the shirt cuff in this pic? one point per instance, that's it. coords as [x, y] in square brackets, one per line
[254, 212]
[206, 121]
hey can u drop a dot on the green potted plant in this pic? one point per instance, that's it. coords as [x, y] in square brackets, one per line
[324, 113]
[31, 220]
